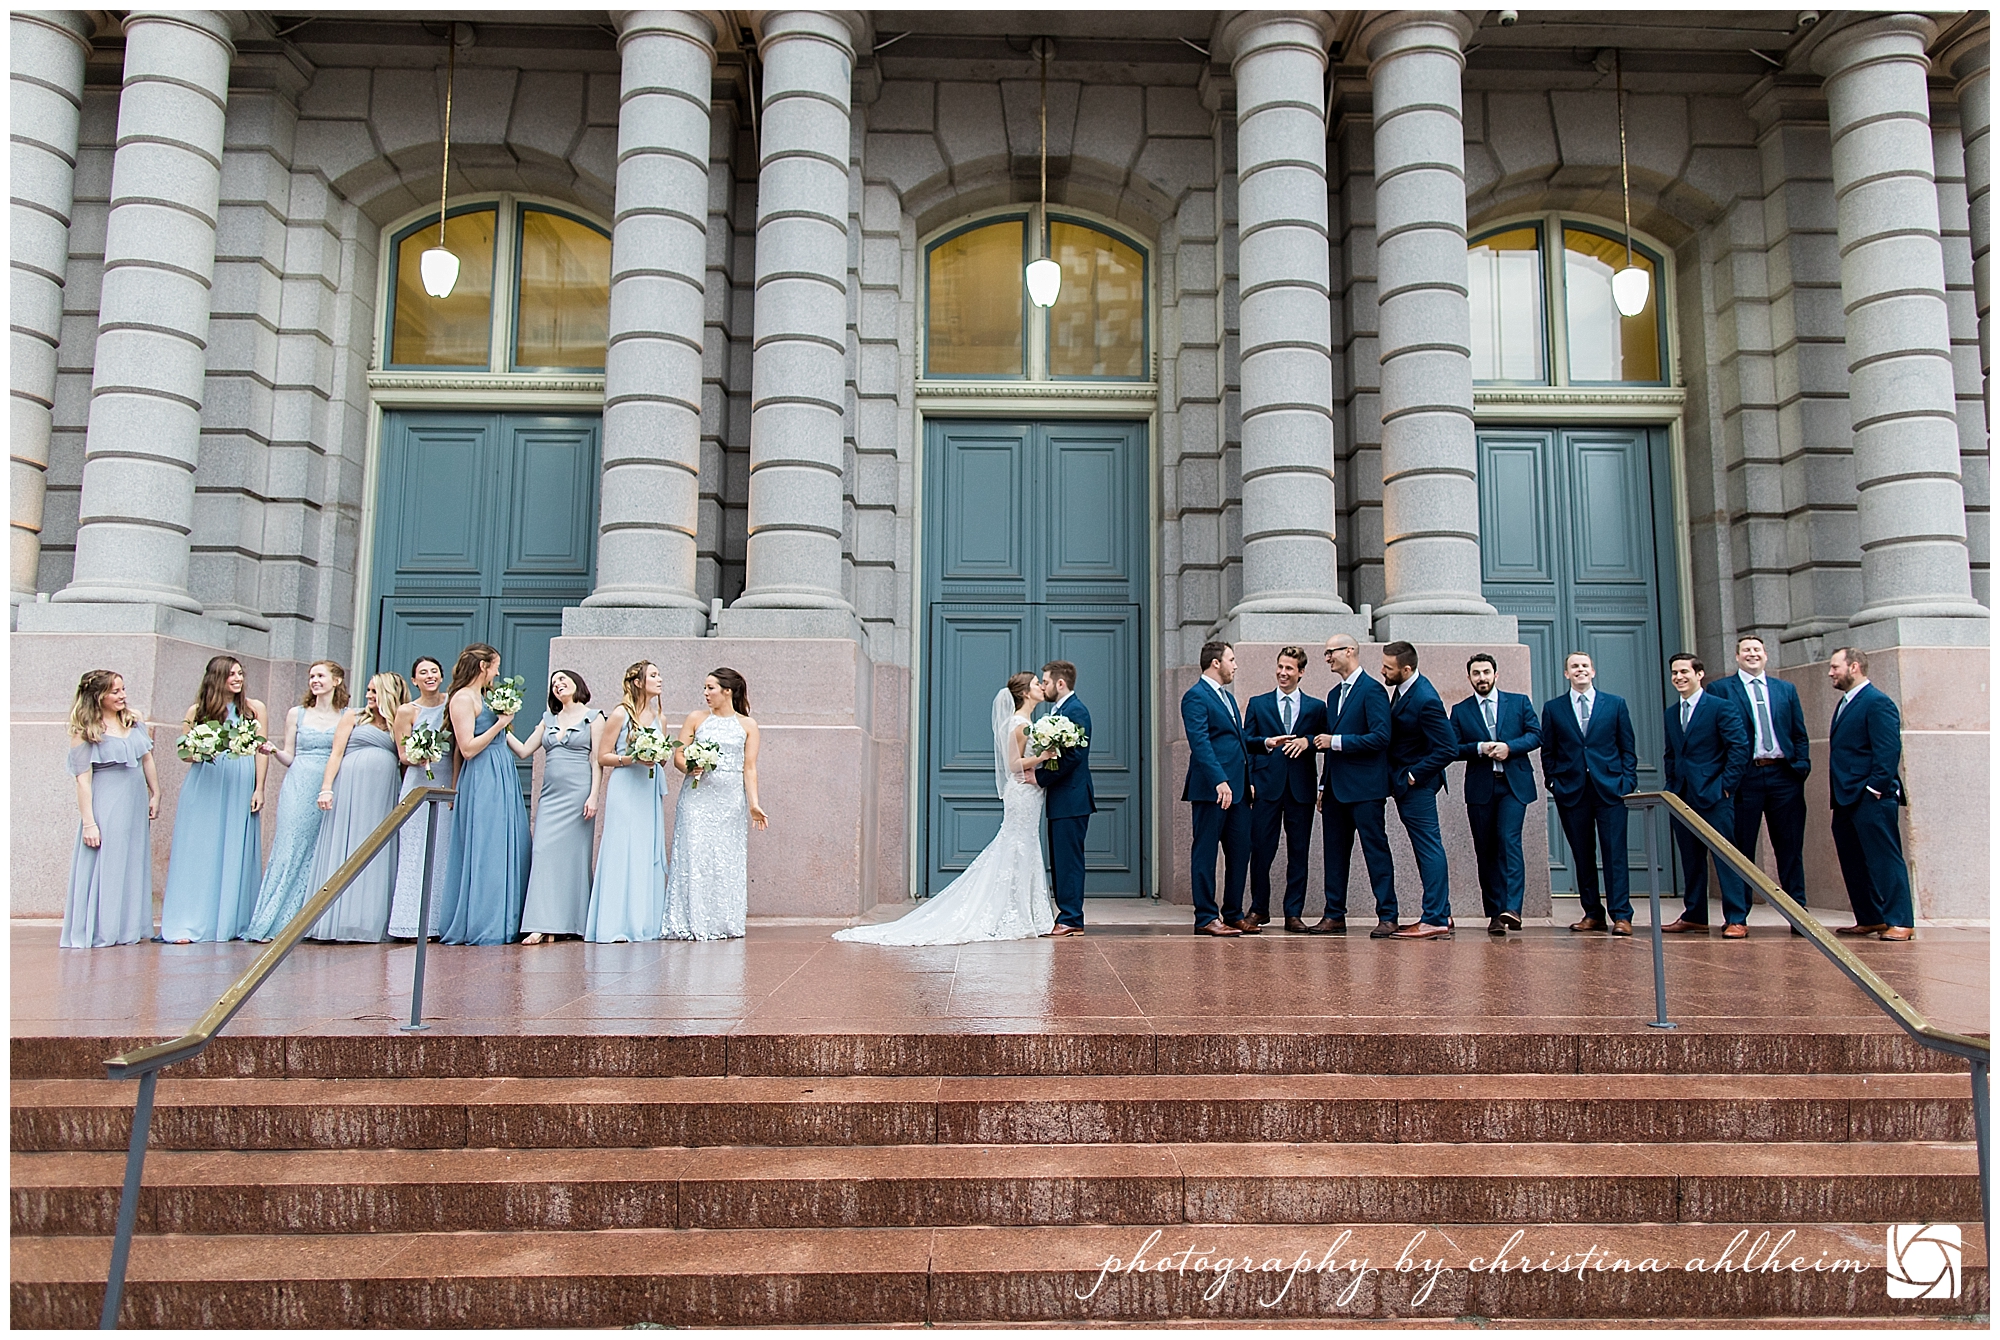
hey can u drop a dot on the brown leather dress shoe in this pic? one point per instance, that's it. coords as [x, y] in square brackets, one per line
[1217, 928]
[1587, 924]
[1898, 933]
[1297, 926]
[1327, 926]
[1682, 926]
[1735, 930]
[1383, 930]
[1624, 928]
[1859, 929]
[1418, 930]
[1248, 925]
[1257, 917]
[1060, 931]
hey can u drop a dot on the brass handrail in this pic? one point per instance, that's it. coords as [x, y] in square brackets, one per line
[145, 1063]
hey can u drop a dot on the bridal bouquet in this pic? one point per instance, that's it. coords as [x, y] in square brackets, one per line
[204, 742]
[426, 745]
[651, 746]
[505, 696]
[1057, 732]
[241, 737]
[702, 756]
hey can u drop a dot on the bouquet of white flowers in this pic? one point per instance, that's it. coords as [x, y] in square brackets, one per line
[702, 756]
[1056, 732]
[241, 737]
[651, 746]
[426, 745]
[204, 742]
[504, 696]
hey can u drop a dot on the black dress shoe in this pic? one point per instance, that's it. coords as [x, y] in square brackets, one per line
[1383, 930]
[1496, 927]
[1297, 926]
[1326, 926]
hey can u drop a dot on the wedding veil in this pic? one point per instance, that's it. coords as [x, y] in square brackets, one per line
[1003, 712]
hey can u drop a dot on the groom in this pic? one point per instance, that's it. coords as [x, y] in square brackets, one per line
[1071, 801]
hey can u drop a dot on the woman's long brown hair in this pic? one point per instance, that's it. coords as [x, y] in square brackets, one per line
[339, 685]
[471, 663]
[215, 699]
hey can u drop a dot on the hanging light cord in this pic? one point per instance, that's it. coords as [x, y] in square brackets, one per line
[1624, 171]
[1045, 146]
[450, 73]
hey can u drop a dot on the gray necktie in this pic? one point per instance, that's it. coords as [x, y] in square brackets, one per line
[1287, 713]
[1687, 713]
[1341, 706]
[1492, 728]
[1765, 734]
[1583, 712]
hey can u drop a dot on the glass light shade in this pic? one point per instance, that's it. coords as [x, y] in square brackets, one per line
[1044, 282]
[440, 271]
[1629, 288]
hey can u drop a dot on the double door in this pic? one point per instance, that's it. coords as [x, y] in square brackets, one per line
[1576, 531]
[1034, 550]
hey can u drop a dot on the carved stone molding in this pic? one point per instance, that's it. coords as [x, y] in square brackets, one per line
[432, 387]
[1538, 404]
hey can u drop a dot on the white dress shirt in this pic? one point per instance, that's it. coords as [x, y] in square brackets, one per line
[1760, 746]
[1688, 705]
[1333, 698]
[1288, 700]
[1583, 704]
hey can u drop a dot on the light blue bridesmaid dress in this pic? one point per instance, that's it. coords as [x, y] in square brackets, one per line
[628, 896]
[218, 853]
[363, 794]
[111, 884]
[486, 876]
[288, 878]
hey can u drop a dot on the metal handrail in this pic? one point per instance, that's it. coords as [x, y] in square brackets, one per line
[145, 1063]
[1977, 1051]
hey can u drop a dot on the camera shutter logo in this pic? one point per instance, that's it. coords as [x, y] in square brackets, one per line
[1923, 1260]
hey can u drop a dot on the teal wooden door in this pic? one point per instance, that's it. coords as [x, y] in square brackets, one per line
[1577, 543]
[1034, 550]
[486, 527]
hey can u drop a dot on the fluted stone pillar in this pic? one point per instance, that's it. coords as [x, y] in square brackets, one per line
[1430, 491]
[144, 427]
[1915, 569]
[792, 561]
[1290, 564]
[1967, 62]
[45, 95]
[649, 498]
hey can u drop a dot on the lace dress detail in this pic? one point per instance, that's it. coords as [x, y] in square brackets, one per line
[1002, 895]
[708, 878]
[287, 879]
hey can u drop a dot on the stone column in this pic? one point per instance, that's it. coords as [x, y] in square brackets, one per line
[649, 497]
[1967, 62]
[792, 580]
[46, 95]
[1430, 491]
[1915, 570]
[144, 427]
[1290, 565]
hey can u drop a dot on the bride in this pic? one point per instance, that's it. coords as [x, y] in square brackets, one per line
[1004, 893]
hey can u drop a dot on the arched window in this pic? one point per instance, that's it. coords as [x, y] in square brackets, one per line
[979, 323]
[1535, 323]
[552, 315]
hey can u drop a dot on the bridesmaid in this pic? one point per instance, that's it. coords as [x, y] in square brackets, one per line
[708, 893]
[309, 731]
[117, 797]
[628, 896]
[218, 852]
[426, 709]
[486, 875]
[559, 870]
[361, 781]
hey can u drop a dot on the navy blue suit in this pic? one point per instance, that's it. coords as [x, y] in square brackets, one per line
[1773, 791]
[1706, 760]
[1354, 788]
[1496, 802]
[1218, 752]
[1071, 800]
[1422, 745]
[1864, 753]
[1589, 779]
[1285, 790]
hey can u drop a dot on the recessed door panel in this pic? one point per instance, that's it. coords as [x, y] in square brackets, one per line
[1514, 491]
[413, 626]
[979, 500]
[1610, 503]
[437, 492]
[552, 500]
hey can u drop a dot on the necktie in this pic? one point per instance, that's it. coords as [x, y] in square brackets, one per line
[1765, 735]
[1287, 700]
[1341, 706]
[1583, 712]
[1492, 727]
[1687, 713]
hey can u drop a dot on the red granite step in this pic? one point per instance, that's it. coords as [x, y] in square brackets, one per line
[1055, 1275]
[251, 1114]
[402, 1191]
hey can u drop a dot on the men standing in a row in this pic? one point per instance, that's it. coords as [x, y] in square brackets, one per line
[1354, 788]
[1773, 791]
[1708, 751]
[1865, 751]
[1218, 786]
[1590, 764]
[1496, 733]
[1281, 725]
[1422, 745]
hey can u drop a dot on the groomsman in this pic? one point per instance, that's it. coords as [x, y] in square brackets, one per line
[1218, 786]
[1422, 745]
[1864, 753]
[1773, 791]
[1496, 733]
[1708, 751]
[1071, 800]
[1354, 788]
[1281, 725]
[1589, 764]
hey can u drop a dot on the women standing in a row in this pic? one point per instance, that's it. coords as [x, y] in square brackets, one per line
[708, 893]
[218, 852]
[487, 874]
[309, 731]
[426, 710]
[117, 796]
[558, 897]
[627, 897]
[362, 778]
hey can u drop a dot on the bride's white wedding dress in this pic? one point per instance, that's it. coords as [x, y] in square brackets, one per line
[1003, 894]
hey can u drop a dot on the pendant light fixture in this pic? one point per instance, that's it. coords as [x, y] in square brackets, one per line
[438, 266]
[1044, 275]
[1631, 285]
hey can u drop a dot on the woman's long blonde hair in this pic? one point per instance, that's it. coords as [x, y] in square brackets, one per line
[86, 714]
[390, 694]
[633, 699]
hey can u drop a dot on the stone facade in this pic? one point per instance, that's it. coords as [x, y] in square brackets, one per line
[199, 348]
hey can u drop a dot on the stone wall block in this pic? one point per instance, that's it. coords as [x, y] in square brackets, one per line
[1435, 316]
[1175, 167]
[797, 305]
[1282, 252]
[1110, 124]
[805, 244]
[1421, 256]
[907, 162]
[1292, 315]
[676, 243]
